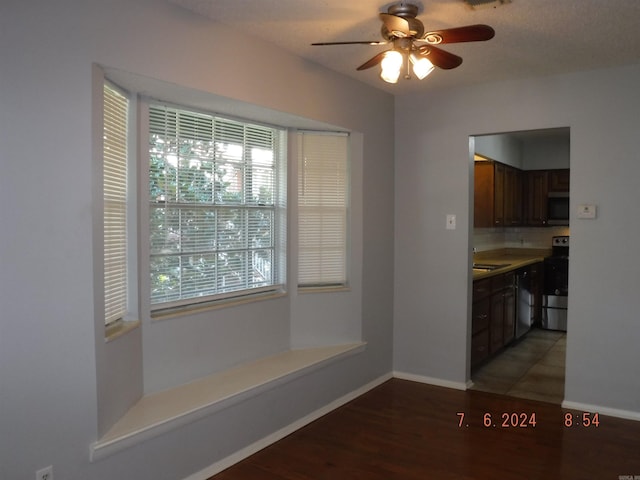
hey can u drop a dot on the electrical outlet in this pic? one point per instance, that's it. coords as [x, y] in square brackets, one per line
[45, 474]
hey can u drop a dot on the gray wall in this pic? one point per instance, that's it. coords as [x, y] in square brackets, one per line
[537, 152]
[544, 154]
[59, 381]
[501, 148]
[432, 277]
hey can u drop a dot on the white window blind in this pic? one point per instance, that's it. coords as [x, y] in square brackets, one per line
[213, 185]
[115, 108]
[322, 209]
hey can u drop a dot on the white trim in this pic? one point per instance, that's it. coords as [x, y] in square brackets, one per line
[283, 432]
[612, 412]
[430, 380]
[161, 412]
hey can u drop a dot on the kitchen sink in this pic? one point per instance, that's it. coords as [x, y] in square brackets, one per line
[489, 267]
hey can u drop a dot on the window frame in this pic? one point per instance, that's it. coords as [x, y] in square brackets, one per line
[279, 226]
[129, 314]
[325, 205]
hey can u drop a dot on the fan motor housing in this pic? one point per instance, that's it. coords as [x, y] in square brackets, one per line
[409, 12]
[404, 10]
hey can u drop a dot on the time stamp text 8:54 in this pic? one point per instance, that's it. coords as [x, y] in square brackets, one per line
[527, 420]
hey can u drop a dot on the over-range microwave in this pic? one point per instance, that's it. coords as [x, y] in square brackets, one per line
[558, 208]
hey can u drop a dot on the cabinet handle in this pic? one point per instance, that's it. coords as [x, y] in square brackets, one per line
[483, 316]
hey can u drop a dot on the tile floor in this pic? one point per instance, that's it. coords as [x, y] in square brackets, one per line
[532, 368]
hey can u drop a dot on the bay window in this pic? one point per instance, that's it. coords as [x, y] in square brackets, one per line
[323, 200]
[216, 207]
[114, 178]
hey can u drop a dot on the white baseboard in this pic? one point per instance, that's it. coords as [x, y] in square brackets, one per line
[431, 380]
[612, 412]
[283, 432]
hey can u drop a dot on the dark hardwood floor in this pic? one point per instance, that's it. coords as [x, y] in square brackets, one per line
[408, 430]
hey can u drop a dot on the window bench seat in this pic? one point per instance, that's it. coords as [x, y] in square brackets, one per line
[160, 412]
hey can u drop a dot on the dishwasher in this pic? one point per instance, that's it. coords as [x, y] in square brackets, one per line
[525, 305]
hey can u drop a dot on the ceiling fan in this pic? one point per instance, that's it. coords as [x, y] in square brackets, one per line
[413, 46]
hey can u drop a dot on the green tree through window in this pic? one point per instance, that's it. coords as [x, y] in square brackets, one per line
[212, 212]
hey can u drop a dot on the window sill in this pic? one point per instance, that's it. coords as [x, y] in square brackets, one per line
[324, 289]
[120, 328]
[161, 412]
[213, 305]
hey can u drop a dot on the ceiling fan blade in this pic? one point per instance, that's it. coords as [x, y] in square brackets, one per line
[350, 43]
[440, 58]
[470, 33]
[397, 26]
[373, 61]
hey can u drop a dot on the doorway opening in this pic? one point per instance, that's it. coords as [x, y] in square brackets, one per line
[515, 349]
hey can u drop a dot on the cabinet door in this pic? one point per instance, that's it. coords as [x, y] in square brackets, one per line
[498, 194]
[481, 289]
[483, 195]
[518, 200]
[480, 315]
[536, 197]
[479, 347]
[536, 291]
[509, 324]
[496, 324]
[512, 196]
[559, 180]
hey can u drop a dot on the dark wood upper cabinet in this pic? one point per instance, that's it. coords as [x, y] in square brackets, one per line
[484, 194]
[506, 196]
[497, 196]
[559, 180]
[536, 190]
[512, 203]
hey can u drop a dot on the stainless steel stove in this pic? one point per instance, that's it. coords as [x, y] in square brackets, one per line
[556, 285]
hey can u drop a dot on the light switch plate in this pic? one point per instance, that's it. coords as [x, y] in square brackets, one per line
[451, 222]
[587, 211]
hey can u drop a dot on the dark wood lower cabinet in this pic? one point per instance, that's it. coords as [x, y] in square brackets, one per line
[496, 324]
[493, 316]
[480, 329]
[536, 290]
[480, 347]
[509, 308]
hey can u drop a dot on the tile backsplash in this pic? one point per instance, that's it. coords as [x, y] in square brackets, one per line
[515, 237]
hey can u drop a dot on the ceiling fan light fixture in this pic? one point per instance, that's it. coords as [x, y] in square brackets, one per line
[421, 66]
[390, 76]
[391, 65]
[414, 47]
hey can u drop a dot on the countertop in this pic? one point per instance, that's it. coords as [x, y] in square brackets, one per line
[514, 257]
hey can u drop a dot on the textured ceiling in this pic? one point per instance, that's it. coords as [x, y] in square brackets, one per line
[533, 37]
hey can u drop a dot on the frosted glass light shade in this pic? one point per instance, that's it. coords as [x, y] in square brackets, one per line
[391, 65]
[421, 66]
